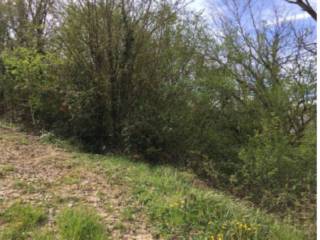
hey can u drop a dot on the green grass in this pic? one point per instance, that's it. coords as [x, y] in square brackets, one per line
[19, 220]
[179, 210]
[44, 234]
[7, 124]
[5, 169]
[80, 224]
[72, 178]
[24, 186]
[176, 208]
[23, 222]
[70, 144]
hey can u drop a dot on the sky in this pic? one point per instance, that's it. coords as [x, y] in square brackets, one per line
[263, 10]
[290, 12]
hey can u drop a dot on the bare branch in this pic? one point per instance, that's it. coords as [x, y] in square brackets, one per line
[305, 6]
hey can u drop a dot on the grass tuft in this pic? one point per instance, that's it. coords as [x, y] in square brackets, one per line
[19, 220]
[80, 224]
[5, 169]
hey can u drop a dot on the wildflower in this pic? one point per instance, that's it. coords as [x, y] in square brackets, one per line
[220, 236]
[224, 226]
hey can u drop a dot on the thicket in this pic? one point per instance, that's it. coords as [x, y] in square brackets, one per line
[154, 81]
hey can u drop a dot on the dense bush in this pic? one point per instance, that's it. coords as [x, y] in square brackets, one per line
[270, 159]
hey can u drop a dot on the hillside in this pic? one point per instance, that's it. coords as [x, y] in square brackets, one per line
[145, 119]
[53, 191]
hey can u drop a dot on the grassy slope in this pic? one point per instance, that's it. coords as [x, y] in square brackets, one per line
[180, 210]
[178, 207]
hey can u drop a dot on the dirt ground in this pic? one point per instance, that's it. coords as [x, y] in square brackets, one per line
[38, 173]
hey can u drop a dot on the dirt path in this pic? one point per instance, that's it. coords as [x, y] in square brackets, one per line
[38, 173]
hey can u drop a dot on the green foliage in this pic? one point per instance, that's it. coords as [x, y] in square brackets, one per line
[153, 82]
[19, 219]
[29, 90]
[270, 159]
[268, 156]
[80, 224]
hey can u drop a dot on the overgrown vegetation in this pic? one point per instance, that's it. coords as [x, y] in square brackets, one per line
[150, 79]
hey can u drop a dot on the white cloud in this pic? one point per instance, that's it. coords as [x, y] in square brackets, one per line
[197, 5]
[268, 10]
[296, 17]
[200, 6]
[289, 18]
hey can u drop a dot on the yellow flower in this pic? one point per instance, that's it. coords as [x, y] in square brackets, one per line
[220, 236]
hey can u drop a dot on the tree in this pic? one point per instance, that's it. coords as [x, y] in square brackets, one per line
[272, 71]
[128, 52]
[26, 22]
[266, 62]
[305, 6]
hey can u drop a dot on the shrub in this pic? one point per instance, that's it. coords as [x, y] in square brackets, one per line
[275, 171]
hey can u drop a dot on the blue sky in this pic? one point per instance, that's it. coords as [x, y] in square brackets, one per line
[263, 10]
[266, 8]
